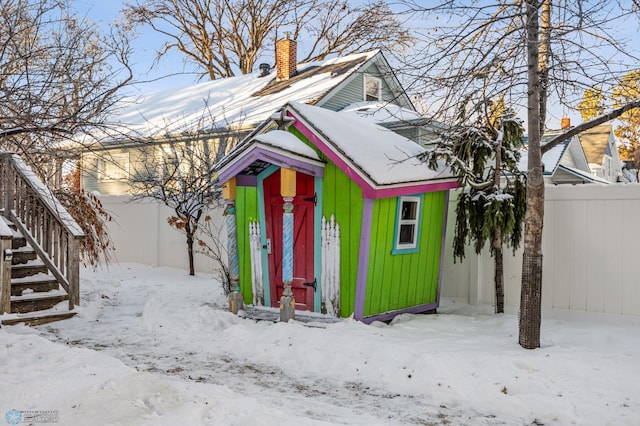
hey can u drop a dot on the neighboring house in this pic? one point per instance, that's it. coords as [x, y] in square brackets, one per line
[599, 144]
[223, 111]
[369, 218]
[565, 163]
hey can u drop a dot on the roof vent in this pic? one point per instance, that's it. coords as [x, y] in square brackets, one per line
[264, 69]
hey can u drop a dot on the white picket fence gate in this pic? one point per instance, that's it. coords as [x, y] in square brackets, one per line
[255, 248]
[330, 232]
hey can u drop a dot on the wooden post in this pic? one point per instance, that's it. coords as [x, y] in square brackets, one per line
[288, 191]
[73, 270]
[229, 195]
[5, 275]
[9, 185]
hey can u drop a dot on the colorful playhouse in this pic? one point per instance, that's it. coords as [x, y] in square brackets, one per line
[334, 214]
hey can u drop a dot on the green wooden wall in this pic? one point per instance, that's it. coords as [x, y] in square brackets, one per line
[247, 207]
[403, 280]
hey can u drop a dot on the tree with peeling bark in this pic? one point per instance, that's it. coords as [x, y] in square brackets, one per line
[224, 37]
[529, 51]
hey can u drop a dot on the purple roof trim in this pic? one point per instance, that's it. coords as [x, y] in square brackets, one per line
[390, 315]
[363, 259]
[260, 153]
[369, 191]
[442, 244]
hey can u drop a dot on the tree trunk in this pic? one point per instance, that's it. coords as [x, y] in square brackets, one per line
[190, 238]
[499, 280]
[531, 292]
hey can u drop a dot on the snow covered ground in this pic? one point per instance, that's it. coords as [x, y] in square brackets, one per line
[153, 346]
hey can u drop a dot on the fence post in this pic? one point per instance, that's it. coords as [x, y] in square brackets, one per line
[73, 270]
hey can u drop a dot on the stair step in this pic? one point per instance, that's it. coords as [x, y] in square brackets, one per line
[37, 301]
[30, 268]
[38, 283]
[37, 318]
[23, 255]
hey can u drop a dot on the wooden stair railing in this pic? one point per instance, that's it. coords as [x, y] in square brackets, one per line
[43, 221]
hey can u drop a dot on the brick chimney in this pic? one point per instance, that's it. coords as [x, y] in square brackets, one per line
[565, 123]
[286, 58]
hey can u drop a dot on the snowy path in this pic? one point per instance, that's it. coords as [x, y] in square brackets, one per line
[159, 347]
[124, 328]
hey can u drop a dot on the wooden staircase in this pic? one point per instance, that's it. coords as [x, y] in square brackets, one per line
[39, 250]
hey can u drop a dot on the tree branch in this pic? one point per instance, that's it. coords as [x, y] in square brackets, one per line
[590, 124]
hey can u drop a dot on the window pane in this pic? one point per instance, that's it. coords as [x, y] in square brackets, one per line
[406, 234]
[409, 209]
[372, 89]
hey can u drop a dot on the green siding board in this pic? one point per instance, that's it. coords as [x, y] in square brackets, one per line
[247, 205]
[403, 280]
[343, 199]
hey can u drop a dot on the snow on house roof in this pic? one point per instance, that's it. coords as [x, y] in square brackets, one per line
[383, 163]
[234, 102]
[379, 154]
[381, 112]
[550, 159]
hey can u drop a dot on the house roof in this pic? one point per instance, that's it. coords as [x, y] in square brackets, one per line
[380, 161]
[231, 103]
[550, 159]
[595, 143]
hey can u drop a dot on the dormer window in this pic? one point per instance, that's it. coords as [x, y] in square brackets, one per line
[372, 88]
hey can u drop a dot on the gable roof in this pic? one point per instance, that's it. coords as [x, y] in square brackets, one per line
[233, 103]
[595, 142]
[380, 161]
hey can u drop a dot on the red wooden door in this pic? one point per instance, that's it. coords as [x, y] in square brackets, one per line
[303, 256]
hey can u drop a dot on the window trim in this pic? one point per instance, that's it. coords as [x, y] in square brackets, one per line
[378, 80]
[121, 161]
[414, 247]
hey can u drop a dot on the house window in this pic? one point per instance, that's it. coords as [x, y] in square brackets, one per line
[372, 88]
[113, 167]
[407, 224]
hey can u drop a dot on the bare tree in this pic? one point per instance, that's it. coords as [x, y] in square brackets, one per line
[529, 51]
[59, 76]
[178, 171]
[223, 37]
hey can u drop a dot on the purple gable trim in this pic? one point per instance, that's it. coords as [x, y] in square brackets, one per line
[390, 315]
[246, 180]
[259, 153]
[442, 244]
[367, 190]
[415, 189]
[363, 259]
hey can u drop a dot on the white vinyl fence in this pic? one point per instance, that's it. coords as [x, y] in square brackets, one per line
[141, 234]
[590, 245]
[590, 248]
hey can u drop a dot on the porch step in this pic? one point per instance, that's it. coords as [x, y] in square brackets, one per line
[23, 255]
[37, 318]
[37, 284]
[27, 269]
[37, 301]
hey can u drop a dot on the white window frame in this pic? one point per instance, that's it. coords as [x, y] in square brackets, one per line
[400, 247]
[114, 167]
[369, 78]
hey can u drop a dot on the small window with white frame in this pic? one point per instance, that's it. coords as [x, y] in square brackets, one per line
[407, 224]
[113, 167]
[372, 88]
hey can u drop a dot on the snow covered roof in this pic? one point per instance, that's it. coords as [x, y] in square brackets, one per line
[550, 159]
[379, 160]
[235, 102]
[381, 112]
